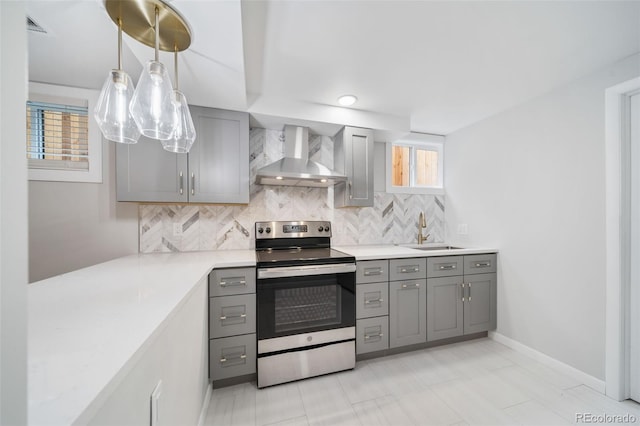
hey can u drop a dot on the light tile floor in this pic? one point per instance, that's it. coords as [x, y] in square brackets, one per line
[479, 382]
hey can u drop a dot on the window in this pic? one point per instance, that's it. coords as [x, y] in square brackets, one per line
[415, 164]
[62, 143]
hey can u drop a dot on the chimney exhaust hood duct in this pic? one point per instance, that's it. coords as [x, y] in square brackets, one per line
[295, 169]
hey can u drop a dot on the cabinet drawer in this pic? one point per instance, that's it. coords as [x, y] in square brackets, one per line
[232, 356]
[231, 315]
[372, 271]
[407, 269]
[372, 300]
[226, 282]
[480, 264]
[372, 334]
[445, 266]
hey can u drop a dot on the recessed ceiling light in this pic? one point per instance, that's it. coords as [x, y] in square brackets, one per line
[323, 180]
[279, 177]
[347, 100]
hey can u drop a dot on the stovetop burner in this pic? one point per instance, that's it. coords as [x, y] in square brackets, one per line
[296, 243]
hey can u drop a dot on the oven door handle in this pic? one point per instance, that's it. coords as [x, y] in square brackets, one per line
[305, 270]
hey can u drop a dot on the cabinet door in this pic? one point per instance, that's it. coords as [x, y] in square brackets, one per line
[444, 308]
[219, 158]
[407, 313]
[230, 315]
[354, 157]
[146, 172]
[480, 303]
[232, 356]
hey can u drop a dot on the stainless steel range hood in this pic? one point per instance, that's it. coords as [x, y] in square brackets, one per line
[295, 169]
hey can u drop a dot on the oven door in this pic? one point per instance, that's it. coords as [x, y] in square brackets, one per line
[305, 299]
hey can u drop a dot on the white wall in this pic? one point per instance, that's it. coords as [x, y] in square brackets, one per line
[530, 182]
[74, 225]
[13, 215]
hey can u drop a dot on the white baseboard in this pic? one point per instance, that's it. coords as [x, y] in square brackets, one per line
[584, 378]
[205, 406]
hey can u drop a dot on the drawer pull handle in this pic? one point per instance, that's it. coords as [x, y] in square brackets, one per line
[224, 317]
[445, 267]
[223, 359]
[410, 269]
[372, 271]
[416, 285]
[371, 336]
[366, 302]
[462, 291]
[469, 293]
[232, 283]
[483, 264]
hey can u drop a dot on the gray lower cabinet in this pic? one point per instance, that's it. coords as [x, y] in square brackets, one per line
[232, 323]
[372, 306]
[216, 170]
[407, 313]
[464, 301]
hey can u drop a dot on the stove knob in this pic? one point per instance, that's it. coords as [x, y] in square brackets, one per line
[319, 228]
[260, 230]
[326, 228]
[268, 230]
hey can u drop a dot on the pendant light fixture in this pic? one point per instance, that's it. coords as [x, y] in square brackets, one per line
[155, 24]
[185, 132]
[112, 110]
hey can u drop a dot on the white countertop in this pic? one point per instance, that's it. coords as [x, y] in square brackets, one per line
[388, 251]
[84, 327]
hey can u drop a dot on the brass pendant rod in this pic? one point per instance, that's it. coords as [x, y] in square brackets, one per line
[175, 62]
[119, 43]
[157, 28]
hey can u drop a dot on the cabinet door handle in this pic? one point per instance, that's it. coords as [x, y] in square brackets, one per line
[193, 183]
[371, 336]
[350, 191]
[469, 292]
[181, 183]
[225, 317]
[416, 285]
[366, 302]
[223, 359]
[233, 283]
[462, 291]
[409, 269]
[445, 267]
[483, 264]
[372, 271]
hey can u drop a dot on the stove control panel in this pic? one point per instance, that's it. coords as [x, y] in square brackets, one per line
[299, 229]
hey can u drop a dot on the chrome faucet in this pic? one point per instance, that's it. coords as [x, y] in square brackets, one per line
[422, 223]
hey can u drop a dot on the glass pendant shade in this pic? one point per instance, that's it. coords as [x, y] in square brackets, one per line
[112, 110]
[151, 106]
[185, 133]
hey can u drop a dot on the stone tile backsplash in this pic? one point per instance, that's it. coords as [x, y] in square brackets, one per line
[392, 220]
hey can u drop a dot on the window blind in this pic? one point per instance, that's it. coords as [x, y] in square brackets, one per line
[57, 136]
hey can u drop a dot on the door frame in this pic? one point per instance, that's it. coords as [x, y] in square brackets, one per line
[618, 283]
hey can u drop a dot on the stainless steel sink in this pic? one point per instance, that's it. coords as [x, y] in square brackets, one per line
[430, 248]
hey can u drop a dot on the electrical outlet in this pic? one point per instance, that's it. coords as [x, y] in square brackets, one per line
[155, 404]
[177, 230]
[463, 229]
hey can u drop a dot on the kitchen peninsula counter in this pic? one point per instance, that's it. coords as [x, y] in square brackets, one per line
[86, 327]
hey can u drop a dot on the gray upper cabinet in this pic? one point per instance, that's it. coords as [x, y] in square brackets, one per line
[216, 170]
[146, 172]
[219, 159]
[353, 156]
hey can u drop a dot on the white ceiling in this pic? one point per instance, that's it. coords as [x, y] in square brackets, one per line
[428, 66]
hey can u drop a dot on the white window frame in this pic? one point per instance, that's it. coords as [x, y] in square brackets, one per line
[419, 141]
[71, 96]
